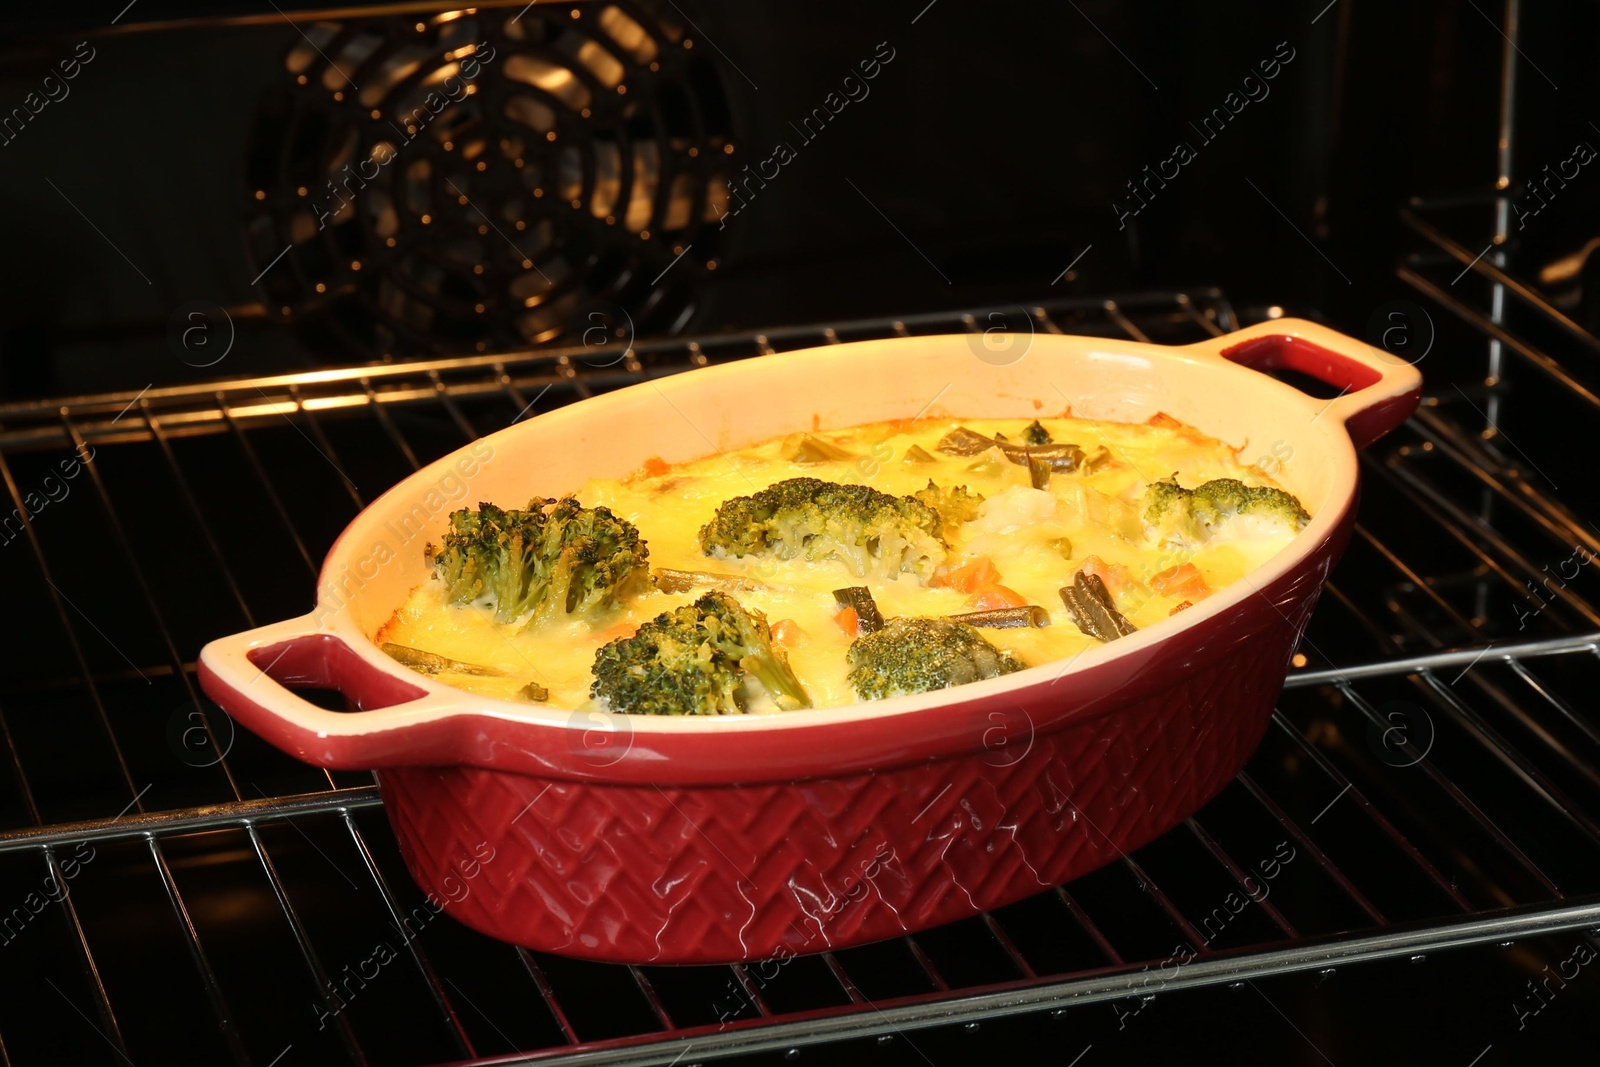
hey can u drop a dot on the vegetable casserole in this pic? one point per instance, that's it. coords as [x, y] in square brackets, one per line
[825, 568]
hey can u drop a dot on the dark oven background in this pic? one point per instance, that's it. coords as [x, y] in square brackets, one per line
[176, 202]
[988, 153]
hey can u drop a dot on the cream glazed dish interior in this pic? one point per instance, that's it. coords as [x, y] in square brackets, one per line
[381, 560]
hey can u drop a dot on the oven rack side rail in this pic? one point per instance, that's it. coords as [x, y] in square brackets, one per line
[1056, 997]
[214, 406]
[343, 799]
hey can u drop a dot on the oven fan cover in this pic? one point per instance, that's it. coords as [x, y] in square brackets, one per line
[467, 181]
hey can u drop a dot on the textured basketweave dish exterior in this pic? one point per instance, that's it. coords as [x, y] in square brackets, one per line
[691, 875]
[689, 840]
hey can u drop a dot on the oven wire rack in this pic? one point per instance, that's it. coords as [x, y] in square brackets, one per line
[1427, 726]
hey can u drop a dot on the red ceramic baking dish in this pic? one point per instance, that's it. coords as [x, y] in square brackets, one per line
[695, 840]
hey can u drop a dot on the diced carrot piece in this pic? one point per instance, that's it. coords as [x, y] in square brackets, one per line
[788, 632]
[655, 465]
[1162, 419]
[967, 578]
[848, 622]
[1118, 578]
[621, 629]
[1179, 607]
[1183, 580]
[997, 596]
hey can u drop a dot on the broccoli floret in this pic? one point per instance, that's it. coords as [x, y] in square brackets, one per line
[1190, 516]
[696, 660]
[554, 558]
[871, 533]
[955, 504]
[489, 552]
[1035, 434]
[917, 655]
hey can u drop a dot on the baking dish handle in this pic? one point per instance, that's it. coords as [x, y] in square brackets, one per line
[1379, 391]
[252, 676]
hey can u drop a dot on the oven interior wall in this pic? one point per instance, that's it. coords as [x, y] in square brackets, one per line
[976, 164]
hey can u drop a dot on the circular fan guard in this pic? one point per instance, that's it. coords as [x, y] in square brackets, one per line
[473, 180]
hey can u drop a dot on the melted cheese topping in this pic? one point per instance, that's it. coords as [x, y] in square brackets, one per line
[1018, 528]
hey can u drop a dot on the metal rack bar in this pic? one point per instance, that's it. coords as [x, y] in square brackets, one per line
[1305, 841]
[1200, 943]
[1495, 744]
[1504, 159]
[86, 956]
[742, 974]
[1409, 574]
[441, 999]
[253, 461]
[1462, 801]
[1515, 761]
[1187, 307]
[1508, 653]
[926, 964]
[91, 971]
[1089, 926]
[845, 981]
[537, 974]
[1567, 711]
[145, 590]
[187, 492]
[322, 444]
[347, 1035]
[103, 1001]
[1370, 810]
[234, 813]
[452, 407]
[1023, 967]
[197, 954]
[1496, 274]
[660, 1009]
[508, 385]
[319, 975]
[1535, 357]
[1469, 453]
[1311, 954]
[1240, 878]
[1437, 506]
[1116, 315]
[388, 426]
[168, 883]
[1426, 765]
[778, 338]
